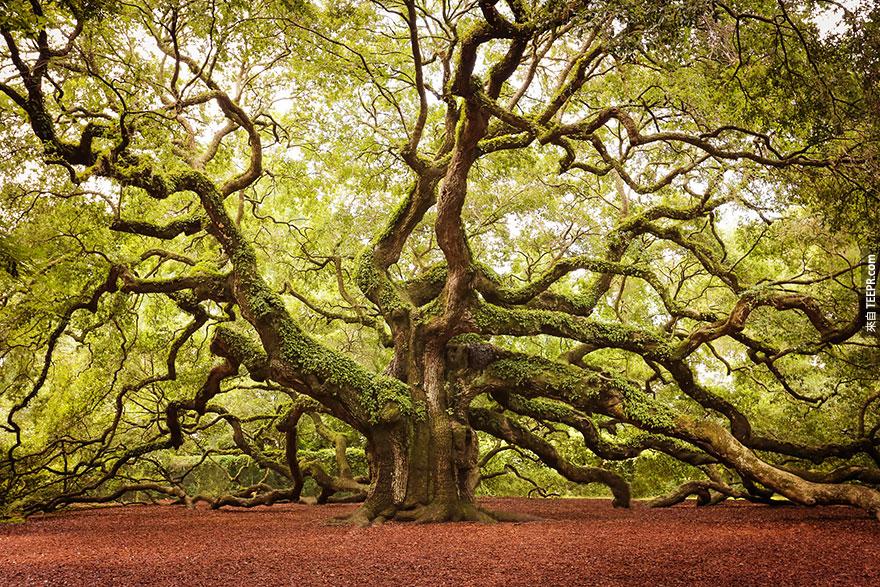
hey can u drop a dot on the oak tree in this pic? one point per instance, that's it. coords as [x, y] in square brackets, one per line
[437, 234]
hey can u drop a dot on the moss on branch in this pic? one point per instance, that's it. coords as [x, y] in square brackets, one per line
[492, 319]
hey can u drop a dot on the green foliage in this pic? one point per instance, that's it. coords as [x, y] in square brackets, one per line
[733, 200]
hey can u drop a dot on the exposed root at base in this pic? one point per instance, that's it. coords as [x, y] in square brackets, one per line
[434, 513]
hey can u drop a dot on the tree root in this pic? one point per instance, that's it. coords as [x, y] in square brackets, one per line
[446, 511]
[267, 498]
[436, 512]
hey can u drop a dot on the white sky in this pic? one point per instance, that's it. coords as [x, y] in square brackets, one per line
[830, 19]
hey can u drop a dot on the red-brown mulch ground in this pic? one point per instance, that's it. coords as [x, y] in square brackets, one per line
[580, 542]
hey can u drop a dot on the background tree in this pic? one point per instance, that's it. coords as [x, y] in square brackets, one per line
[412, 228]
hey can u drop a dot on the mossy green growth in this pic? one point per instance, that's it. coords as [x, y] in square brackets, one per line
[141, 174]
[376, 286]
[495, 319]
[374, 391]
[643, 409]
[468, 338]
[531, 372]
[367, 276]
[527, 322]
[387, 397]
[243, 256]
[435, 274]
[243, 346]
[542, 408]
[580, 388]
[263, 303]
[208, 269]
[760, 293]
[394, 219]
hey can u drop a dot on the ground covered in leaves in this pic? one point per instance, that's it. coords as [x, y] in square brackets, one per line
[579, 542]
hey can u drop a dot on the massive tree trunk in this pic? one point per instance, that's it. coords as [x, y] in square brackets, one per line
[424, 467]
[412, 480]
